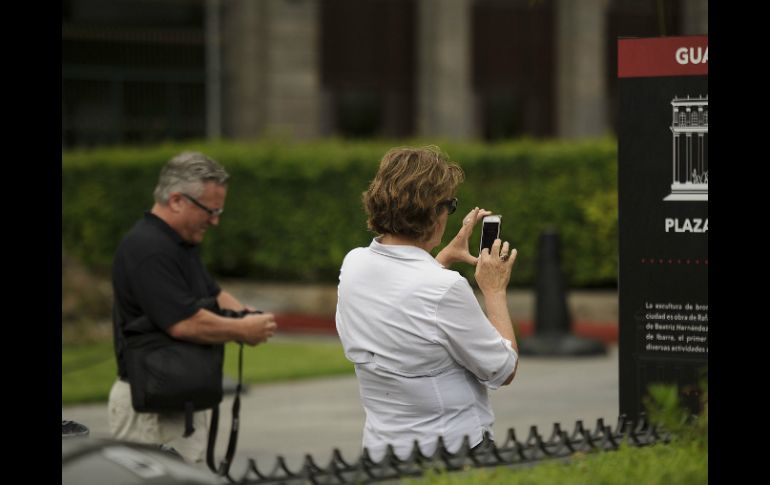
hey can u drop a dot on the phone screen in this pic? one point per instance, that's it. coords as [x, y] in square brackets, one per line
[490, 230]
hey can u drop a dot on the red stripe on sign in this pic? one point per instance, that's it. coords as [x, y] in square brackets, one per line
[663, 56]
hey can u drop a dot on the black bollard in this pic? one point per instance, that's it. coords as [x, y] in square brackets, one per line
[553, 335]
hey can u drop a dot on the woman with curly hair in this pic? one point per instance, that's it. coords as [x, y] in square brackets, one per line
[424, 351]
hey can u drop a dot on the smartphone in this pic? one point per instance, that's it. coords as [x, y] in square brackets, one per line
[490, 230]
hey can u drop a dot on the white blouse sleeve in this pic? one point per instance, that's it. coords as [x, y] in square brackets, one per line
[469, 337]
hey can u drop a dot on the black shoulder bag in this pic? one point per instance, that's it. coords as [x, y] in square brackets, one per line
[172, 375]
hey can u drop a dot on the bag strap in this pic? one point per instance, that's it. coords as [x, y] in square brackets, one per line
[188, 419]
[224, 466]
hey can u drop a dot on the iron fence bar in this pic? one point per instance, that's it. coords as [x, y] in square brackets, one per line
[561, 445]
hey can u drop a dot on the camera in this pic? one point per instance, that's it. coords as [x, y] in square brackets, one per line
[226, 312]
[210, 304]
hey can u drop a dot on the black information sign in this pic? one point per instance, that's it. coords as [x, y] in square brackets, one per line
[663, 177]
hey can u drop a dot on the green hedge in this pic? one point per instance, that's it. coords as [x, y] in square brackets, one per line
[294, 209]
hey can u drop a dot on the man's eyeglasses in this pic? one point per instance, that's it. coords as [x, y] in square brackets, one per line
[211, 212]
[451, 205]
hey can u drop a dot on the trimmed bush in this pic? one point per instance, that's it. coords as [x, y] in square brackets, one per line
[294, 210]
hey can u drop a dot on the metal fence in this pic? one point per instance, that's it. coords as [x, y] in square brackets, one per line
[511, 452]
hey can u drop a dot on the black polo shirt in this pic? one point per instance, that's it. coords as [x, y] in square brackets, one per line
[157, 274]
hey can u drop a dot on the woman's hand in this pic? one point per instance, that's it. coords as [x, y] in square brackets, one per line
[494, 268]
[457, 249]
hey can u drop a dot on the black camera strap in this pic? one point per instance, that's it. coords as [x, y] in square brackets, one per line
[224, 466]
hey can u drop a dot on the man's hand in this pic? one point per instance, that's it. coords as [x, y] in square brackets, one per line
[258, 327]
[457, 249]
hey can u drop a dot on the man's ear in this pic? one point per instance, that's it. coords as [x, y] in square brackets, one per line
[175, 202]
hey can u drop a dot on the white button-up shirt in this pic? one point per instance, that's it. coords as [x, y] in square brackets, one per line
[424, 351]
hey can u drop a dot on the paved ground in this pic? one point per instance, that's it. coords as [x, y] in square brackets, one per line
[292, 419]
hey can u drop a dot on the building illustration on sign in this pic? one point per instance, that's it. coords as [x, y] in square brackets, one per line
[690, 167]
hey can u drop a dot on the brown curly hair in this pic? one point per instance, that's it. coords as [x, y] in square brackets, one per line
[404, 196]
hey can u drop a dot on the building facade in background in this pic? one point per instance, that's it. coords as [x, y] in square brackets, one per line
[145, 71]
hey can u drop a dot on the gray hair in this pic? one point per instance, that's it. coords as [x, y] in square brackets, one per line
[187, 172]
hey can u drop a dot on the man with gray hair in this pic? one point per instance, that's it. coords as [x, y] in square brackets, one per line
[158, 273]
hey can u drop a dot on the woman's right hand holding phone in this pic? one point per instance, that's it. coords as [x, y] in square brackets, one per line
[493, 272]
[493, 269]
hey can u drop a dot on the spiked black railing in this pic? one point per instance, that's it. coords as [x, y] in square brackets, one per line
[511, 452]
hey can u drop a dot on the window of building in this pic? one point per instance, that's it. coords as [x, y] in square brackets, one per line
[513, 67]
[133, 71]
[367, 66]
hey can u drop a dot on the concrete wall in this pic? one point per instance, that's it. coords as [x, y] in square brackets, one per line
[695, 15]
[580, 57]
[600, 306]
[444, 97]
[271, 68]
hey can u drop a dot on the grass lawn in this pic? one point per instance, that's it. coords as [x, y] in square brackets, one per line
[684, 461]
[674, 464]
[88, 371]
